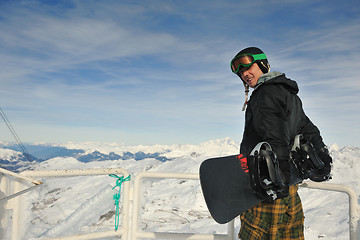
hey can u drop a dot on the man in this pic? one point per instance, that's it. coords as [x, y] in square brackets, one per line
[274, 114]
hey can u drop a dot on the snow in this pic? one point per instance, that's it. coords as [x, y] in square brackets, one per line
[75, 205]
[83, 215]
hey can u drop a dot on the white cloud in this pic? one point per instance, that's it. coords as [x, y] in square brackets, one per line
[118, 64]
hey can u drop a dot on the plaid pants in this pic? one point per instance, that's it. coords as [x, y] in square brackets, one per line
[282, 219]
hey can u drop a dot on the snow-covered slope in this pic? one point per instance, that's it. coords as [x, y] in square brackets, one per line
[65, 206]
[13, 160]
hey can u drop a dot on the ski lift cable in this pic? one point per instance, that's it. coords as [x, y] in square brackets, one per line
[12, 130]
[28, 157]
[37, 183]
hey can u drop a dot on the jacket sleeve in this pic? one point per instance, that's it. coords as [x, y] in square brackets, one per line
[312, 133]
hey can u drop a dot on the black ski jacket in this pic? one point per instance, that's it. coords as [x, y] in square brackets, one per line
[275, 115]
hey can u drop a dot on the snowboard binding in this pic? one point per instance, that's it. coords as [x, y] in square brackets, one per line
[305, 157]
[265, 176]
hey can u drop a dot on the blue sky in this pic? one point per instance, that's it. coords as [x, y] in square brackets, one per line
[157, 72]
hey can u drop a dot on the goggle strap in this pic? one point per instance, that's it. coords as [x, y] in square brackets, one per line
[259, 56]
[246, 95]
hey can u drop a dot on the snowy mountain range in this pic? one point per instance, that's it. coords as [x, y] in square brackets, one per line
[11, 157]
[59, 206]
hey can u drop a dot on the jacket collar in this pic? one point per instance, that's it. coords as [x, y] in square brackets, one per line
[266, 77]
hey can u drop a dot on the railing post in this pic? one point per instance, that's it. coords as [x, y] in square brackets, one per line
[3, 206]
[231, 230]
[15, 231]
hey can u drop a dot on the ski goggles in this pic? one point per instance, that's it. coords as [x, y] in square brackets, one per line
[245, 61]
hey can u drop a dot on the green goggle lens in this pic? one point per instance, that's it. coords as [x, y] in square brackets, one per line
[244, 61]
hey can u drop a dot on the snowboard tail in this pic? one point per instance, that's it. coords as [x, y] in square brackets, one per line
[226, 186]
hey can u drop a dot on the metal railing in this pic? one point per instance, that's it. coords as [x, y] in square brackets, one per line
[132, 231]
[137, 233]
[353, 203]
[16, 204]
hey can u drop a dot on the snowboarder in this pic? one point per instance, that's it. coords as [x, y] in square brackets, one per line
[274, 114]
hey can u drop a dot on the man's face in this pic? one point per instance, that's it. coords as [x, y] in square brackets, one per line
[251, 75]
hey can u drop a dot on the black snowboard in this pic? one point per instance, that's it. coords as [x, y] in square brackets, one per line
[226, 187]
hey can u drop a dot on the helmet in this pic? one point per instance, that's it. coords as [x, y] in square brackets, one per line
[262, 63]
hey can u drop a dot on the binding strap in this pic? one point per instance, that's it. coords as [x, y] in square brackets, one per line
[265, 174]
[305, 157]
